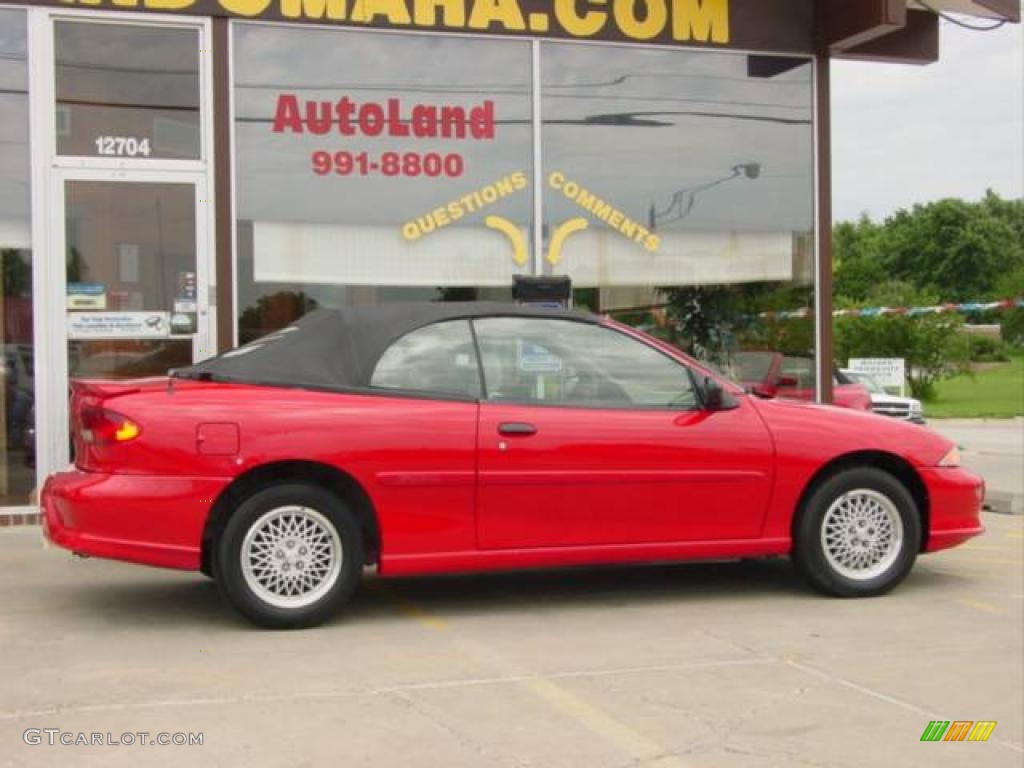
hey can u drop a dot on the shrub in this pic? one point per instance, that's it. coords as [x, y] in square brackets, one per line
[1011, 327]
[931, 345]
[985, 349]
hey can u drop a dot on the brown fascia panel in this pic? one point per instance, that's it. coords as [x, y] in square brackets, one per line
[1008, 9]
[916, 43]
[844, 24]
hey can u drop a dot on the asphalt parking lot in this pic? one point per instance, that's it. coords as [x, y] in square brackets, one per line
[709, 664]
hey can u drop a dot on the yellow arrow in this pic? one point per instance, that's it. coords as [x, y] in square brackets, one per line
[513, 233]
[560, 234]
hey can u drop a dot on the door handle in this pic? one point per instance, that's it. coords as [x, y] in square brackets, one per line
[516, 428]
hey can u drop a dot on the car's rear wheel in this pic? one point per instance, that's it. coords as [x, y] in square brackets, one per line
[289, 556]
[858, 533]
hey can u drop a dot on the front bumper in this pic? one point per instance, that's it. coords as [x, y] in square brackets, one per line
[154, 520]
[955, 500]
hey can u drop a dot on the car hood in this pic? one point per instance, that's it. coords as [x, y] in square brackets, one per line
[806, 427]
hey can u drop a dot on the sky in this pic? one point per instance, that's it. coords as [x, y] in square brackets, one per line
[907, 134]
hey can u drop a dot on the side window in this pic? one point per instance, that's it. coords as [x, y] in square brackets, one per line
[437, 359]
[561, 362]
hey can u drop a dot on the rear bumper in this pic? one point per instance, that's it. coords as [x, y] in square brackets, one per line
[154, 520]
[955, 500]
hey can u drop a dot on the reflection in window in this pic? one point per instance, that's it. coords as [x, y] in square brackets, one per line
[677, 184]
[375, 167]
[679, 193]
[568, 363]
[127, 358]
[17, 407]
[127, 91]
[440, 358]
[132, 246]
[136, 241]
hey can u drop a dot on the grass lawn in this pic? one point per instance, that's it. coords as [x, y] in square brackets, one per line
[996, 392]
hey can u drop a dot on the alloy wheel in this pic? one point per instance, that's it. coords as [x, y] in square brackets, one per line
[291, 556]
[862, 534]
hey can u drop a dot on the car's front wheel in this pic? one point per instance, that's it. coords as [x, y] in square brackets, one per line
[858, 533]
[289, 556]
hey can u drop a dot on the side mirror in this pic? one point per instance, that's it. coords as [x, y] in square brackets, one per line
[714, 397]
[787, 381]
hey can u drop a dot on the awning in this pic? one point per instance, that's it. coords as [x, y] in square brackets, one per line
[989, 9]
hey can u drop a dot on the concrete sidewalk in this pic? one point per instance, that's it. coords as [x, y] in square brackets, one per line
[994, 448]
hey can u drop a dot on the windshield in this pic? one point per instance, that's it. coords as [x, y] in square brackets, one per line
[870, 382]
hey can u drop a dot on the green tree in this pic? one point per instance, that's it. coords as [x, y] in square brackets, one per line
[931, 344]
[1009, 211]
[1011, 321]
[858, 266]
[77, 267]
[703, 316]
[712, 321]
[955, 249]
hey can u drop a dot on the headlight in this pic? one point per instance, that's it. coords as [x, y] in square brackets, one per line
[951, 459]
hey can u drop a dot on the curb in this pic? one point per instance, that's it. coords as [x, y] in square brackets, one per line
[1002, 503]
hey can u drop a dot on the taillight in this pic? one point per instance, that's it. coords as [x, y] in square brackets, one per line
[102, 426]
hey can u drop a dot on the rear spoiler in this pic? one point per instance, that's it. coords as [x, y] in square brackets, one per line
[102, 389]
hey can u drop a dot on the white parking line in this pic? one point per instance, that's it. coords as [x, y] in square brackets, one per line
[381, 691]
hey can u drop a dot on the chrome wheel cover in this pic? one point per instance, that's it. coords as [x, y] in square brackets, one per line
[291, 557]
[862, 534]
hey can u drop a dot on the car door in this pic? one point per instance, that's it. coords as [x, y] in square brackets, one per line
[588, 436]
[417, 441]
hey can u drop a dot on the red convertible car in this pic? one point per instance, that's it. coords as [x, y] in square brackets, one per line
[425, 438]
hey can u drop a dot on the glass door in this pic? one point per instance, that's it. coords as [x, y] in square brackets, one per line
[127, 273]
[134, 293]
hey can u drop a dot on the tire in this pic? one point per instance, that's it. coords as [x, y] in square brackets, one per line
[858, 534]
[289, 556]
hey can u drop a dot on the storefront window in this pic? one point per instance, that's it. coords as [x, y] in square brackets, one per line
[376, 167]
[127, 91]
[17, 408]
[677, 184]
[678, 194]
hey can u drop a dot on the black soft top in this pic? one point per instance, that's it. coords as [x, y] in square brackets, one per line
[338, 349]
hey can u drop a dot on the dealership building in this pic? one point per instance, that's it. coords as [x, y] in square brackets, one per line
[181, 176]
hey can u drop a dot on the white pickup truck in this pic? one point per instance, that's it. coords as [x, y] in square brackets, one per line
[905, 408]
